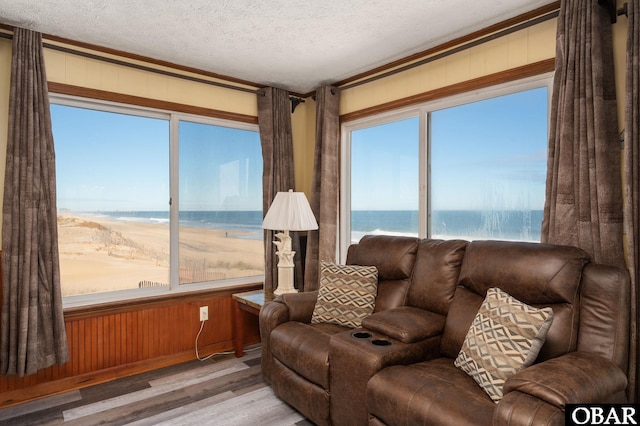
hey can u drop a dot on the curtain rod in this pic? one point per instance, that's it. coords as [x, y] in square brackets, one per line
[457, 49]
[140, 67]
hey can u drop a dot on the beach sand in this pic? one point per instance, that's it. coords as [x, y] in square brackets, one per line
[100, 254]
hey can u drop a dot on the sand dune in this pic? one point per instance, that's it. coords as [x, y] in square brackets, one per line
[102, 254]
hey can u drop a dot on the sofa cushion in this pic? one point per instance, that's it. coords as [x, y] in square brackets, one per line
[391, 294]
[539, 275]
[532, 272]
[393, 256]
[433, 392]
[406, 323]
[506, 336]
[347, 294]
[435, 274]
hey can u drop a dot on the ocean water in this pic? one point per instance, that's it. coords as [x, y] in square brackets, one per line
[446, 224]
[248, 224]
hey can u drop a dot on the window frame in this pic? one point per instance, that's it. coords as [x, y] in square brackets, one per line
[422, 111]
[173, 118]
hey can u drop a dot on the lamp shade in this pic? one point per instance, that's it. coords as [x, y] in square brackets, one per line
[290, 211]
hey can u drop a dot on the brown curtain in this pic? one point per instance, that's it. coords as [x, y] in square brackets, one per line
[632, 184]
[274, 119]
[583, 205]
[33, 329]
[321, 244]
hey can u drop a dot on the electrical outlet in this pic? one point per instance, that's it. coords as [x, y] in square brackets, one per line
[204, 313]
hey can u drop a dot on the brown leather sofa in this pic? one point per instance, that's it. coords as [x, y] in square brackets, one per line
[398, 368]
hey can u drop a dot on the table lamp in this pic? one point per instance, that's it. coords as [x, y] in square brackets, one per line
[289, 211]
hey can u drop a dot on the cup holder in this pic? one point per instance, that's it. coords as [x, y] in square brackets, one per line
[361, 335]
[381, 342]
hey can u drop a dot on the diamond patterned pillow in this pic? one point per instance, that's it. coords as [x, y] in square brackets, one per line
[505, 337]
[346, 295]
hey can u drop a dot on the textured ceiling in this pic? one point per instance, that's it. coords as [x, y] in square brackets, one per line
[286, 43]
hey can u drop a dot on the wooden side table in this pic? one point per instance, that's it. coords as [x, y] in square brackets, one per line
[250, 301]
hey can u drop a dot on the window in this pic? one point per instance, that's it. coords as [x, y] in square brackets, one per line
[488, 168]
[470, 167]
[150, 201]
[220, 192]
[385, 157]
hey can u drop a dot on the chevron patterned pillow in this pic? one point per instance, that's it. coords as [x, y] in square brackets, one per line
[346, 295]
[505, 337]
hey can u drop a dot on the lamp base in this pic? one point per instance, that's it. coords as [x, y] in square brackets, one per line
[285, 280]
[285, 287]
[285, 264]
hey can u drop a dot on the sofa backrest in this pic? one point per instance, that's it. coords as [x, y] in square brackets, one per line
[435, 274]
[394, 257]
[540, 275]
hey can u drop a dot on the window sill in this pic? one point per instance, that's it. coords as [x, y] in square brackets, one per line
[81, 306]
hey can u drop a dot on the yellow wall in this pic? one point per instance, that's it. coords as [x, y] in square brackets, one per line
[303, 128]
[619, 61]
[524, 47]
[95, 74]
[5, 78]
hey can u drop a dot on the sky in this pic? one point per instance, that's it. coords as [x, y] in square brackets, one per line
[221, 168]
[487, 153]
[118, 162]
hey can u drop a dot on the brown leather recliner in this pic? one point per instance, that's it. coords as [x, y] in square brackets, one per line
[583, 360]
[398, 368]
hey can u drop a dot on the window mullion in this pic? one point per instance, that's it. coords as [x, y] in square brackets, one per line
[345, 201]
[174, 201]
[424, 209]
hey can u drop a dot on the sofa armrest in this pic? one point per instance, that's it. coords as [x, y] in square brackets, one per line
[406, 323]
[519, 409]
[300, 305]
[573, 378]
[284, 308]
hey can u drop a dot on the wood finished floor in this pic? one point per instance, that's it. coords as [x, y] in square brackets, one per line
[221, 391]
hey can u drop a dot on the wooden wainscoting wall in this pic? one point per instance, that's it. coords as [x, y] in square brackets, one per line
[107, 342]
